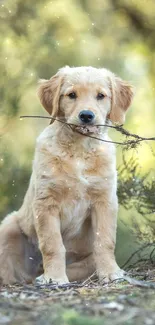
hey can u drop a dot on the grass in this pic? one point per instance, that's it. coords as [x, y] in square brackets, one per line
[120, 303]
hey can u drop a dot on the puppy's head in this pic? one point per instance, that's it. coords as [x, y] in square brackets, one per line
[86, 96]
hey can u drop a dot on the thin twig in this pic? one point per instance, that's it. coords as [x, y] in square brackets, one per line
[65, 286]
[89, 279]
[117, 128]
[46, 117]
[151, 256]
[139, 283]
[135, 253]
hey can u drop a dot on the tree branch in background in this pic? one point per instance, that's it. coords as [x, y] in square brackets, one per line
[138, 19]
[134, 189]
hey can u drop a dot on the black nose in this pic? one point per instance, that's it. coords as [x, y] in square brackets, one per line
[86, 116]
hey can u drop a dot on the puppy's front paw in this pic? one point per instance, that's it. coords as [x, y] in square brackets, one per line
[44, 279]
[105, 277]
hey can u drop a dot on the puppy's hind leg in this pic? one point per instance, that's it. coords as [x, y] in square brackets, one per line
[19, 258]
[81, 270]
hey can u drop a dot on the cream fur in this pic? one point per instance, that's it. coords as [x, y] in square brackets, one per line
[69, 214]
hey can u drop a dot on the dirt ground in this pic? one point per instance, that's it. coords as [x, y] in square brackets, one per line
[122, 303]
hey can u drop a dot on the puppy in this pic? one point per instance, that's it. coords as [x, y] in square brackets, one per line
[66, 227]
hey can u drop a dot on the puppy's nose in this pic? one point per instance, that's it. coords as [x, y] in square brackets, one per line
[86, 116]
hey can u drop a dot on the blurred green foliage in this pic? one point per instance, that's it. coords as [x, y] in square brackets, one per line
[37, 38]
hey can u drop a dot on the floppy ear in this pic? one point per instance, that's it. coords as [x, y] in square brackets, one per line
[122, 94]
[49, 94]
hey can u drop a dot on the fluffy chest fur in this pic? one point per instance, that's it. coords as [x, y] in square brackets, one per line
[78, 182]
[74, 175]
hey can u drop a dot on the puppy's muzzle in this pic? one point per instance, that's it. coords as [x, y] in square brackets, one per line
[86, 117]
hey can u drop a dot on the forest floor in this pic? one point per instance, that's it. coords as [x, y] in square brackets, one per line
[121, 303]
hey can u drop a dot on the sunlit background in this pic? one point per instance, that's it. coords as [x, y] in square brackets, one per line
[39, 37]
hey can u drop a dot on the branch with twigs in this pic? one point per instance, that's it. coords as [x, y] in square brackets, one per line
[135, 138]
[135, 254]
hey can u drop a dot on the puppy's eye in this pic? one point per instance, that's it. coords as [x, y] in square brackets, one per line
[100, 96]
[72, 95]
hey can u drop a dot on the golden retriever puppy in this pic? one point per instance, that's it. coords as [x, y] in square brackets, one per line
[67, 222]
